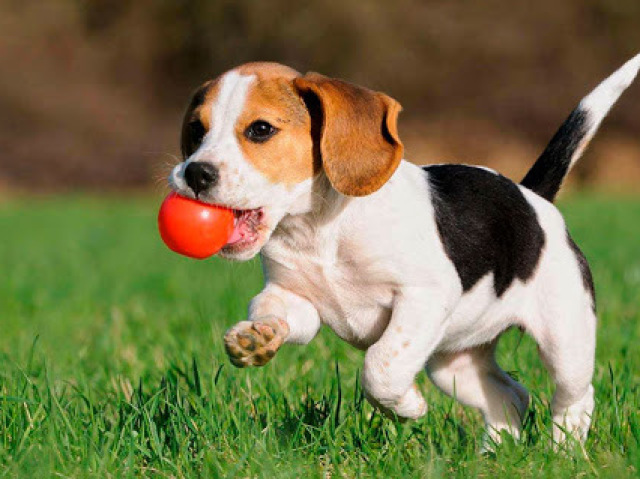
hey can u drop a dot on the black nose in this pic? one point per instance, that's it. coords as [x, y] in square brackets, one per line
[200, 176]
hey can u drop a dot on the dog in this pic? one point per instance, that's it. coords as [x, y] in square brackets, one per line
[422, 267]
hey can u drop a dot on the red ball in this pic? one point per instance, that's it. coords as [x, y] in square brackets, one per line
[192, 228]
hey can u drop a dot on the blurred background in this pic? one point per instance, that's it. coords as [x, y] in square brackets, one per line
[92, 92]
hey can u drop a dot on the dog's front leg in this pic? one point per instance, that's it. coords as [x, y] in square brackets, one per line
[276, 316]
[391, 364]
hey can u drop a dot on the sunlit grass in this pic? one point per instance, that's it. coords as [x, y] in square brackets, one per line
[112, 365]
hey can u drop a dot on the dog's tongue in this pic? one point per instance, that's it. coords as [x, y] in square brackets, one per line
[241, 230]
[245, 227]
[237, 233]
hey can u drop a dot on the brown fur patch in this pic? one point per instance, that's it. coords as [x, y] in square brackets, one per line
[288, 156]
[268, 71]
[359, 143]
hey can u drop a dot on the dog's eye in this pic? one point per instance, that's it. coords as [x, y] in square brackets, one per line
[260, 131]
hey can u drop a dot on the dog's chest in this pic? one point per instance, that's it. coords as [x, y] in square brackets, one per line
[342, 291]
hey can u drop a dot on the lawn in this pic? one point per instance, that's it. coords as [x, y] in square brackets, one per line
[112, 364]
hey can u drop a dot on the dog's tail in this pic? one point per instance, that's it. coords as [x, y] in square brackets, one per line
[567, 145]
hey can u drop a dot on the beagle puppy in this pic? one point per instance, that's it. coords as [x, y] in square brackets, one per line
[422, 267]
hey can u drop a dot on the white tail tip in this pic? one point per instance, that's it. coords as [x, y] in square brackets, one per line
[603, 97]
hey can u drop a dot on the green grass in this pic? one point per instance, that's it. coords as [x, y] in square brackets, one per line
[112, 365]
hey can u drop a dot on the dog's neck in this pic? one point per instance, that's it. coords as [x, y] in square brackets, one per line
[325, 206]
[326, 203]
[314, 229]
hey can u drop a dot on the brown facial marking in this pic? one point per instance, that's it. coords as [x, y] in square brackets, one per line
[268, 70]
[405, 344]
[288, 156]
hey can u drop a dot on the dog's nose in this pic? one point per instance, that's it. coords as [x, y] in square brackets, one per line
[200, 176]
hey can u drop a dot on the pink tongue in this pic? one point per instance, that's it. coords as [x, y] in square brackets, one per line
[237, 233]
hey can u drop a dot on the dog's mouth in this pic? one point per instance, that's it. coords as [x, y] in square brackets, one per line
[247, 231]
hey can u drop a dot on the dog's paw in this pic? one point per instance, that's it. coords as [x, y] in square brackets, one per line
[254, 343]
[410, 406]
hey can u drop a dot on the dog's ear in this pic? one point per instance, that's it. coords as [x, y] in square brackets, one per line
[358, 138]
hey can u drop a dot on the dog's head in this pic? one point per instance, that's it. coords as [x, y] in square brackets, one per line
[257, 138]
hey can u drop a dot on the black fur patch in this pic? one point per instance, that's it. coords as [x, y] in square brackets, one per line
[587, 279]
[546, 175]
[486, 225]
[193, 130]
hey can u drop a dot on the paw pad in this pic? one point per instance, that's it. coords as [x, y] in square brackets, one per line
[251, 343]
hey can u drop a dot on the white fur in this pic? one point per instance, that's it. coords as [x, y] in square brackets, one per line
[598, 103]
[605, 95]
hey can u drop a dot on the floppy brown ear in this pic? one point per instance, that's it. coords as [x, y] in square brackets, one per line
[359, 142]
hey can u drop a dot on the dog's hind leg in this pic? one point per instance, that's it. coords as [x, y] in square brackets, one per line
[475, 379]
[565, 330]
[567, 349]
